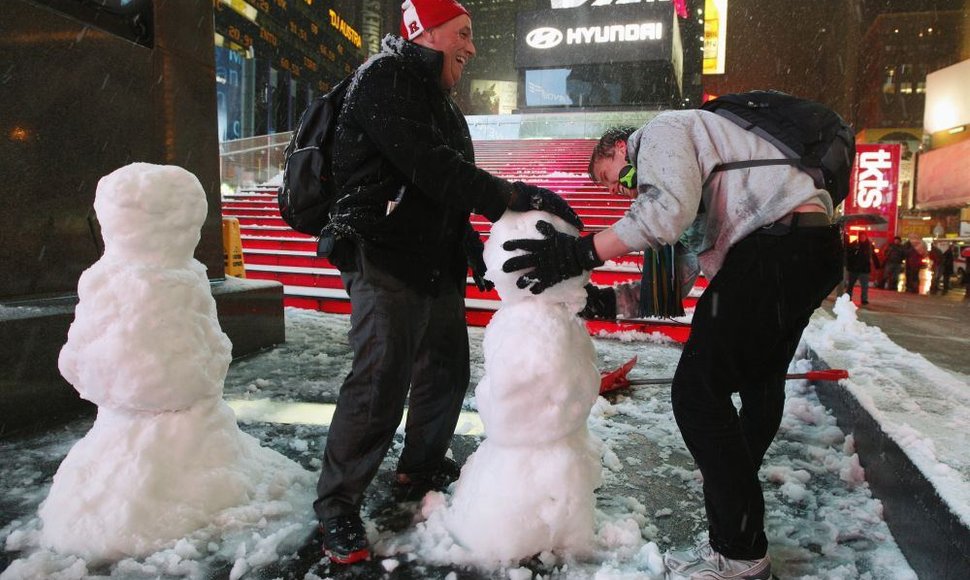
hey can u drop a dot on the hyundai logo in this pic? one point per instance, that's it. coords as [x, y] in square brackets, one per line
[543, 38]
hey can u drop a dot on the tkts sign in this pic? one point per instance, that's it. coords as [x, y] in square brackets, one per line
[875, 181]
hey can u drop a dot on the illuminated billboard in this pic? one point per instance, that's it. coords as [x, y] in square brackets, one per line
[596, 34]
[947, 98]
[874, 184]
[943, 177]
[715, 36]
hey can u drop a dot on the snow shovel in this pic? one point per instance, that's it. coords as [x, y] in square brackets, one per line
[617, 379]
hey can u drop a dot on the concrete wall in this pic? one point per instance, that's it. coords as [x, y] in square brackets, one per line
[80, 102]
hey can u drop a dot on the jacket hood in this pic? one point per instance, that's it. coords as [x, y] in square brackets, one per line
[633, 145]
[429, 61]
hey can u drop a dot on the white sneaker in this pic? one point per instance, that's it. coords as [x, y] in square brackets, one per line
[702, 562]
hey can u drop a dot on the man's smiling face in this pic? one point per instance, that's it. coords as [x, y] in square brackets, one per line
[454, 39]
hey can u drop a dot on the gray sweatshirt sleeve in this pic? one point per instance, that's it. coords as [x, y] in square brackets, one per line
[669, 183]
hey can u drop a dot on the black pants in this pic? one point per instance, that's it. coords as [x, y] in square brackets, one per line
[402, 341]
[745, 329]
[912, 279]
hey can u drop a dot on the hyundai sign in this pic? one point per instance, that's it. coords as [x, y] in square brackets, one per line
[595, 34]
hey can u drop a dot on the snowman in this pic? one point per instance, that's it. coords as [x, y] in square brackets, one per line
[164, 456]
[529, 487]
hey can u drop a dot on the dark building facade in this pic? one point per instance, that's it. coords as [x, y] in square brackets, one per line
[809, 49]
[901, 49]
[273, 56]
[90, 87]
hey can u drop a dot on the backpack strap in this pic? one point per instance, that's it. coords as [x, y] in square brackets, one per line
[746, 164]
[754, 163]
[814, 172]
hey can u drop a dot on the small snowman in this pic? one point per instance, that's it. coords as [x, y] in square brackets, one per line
[164, 456]
[529, 487]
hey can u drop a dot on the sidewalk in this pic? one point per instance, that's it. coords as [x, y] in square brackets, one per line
[822, 519]
[935, 326]
[907, 402]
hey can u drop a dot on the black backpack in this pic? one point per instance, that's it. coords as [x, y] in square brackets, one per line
[813, 137]
[308, 193]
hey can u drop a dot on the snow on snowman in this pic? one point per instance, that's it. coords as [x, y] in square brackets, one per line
[165, 456]
[529, 487]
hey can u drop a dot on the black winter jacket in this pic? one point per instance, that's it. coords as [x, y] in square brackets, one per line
[859, 255]
[405, 173]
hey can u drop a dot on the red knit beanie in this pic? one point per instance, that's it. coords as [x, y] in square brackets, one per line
[418, 15]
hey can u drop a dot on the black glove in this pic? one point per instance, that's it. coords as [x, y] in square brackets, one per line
[600, 303]
[473, 254]
[529, 197]
[556, 258]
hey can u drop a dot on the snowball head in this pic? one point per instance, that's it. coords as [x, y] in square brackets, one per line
[517, 225]
[150, 213]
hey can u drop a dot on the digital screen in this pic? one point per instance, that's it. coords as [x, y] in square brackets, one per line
[322, 49]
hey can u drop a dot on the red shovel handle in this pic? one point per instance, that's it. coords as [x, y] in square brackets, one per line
[827, 375]
[618, 378]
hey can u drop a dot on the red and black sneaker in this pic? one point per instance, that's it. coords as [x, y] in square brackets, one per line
[344, 539]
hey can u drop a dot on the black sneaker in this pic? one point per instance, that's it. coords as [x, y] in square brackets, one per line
[414, 486]
[344, 539]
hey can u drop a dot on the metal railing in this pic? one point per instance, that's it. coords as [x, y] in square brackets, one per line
[252, 161]
[571, 125]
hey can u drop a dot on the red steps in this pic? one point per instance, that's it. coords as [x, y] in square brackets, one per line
[273, 251]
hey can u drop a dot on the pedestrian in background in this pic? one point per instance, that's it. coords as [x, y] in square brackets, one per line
[936, 267]
[966, 275]
[893, 257]
[949, 257]
[859, 257]
[914, 250]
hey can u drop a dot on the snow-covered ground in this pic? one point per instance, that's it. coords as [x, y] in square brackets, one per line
[822, 521]
[924, 409]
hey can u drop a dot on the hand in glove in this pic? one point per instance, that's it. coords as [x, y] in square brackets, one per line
[600, 303]
[474, 249]
[529, 197]
[555, 258]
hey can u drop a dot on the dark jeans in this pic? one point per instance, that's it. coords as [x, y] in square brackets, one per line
[890, 276]
[912, 279]
[863, 279]
[745, 329]
[402, 341]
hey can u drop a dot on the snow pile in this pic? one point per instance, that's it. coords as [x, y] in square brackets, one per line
[275, 181]
[923, 408]
[165, 459]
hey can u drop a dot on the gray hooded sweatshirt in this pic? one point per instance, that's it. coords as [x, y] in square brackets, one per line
[676, 153]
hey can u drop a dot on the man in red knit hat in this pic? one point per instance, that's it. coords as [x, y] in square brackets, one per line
[407, 181]
[442, 25]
